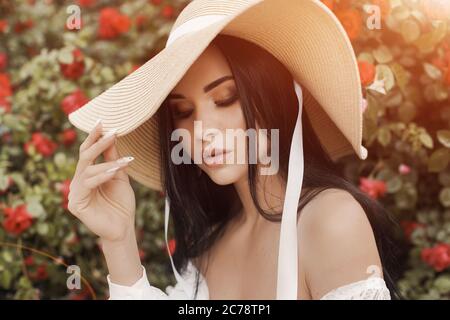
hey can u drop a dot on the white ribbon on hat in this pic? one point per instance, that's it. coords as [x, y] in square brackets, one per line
[287, 279]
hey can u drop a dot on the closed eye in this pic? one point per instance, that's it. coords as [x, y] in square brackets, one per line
[229, 101]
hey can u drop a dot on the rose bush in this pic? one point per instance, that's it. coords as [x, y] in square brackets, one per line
[49, 69]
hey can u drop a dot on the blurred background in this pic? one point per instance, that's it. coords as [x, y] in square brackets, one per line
[57, 55]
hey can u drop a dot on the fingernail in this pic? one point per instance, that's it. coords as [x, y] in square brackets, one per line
[109, 134]
[125, 160]
[96, 124]
[112, 169]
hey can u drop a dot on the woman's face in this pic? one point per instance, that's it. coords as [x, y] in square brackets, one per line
[208, 95]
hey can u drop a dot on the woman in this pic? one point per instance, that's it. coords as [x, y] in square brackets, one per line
[226, 213]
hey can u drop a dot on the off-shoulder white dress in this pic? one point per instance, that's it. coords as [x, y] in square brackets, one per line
[372, 288]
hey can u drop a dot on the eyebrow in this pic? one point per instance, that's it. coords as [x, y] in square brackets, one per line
[207, 88]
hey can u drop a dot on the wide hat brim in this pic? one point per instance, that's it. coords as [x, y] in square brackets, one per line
[304, 35]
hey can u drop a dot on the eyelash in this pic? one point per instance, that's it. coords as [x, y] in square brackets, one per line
[224, 103]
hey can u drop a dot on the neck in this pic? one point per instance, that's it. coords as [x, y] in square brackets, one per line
[270, 192]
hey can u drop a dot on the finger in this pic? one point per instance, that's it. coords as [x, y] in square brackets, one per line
[88, 156]
[95, 181]
[96, 169]
[93, 136]
[111, 154]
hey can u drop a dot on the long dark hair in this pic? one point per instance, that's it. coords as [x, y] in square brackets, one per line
[200, 209]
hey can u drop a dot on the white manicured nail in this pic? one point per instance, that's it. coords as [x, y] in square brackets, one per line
[112, 169]
[97, 122]
[125, 160]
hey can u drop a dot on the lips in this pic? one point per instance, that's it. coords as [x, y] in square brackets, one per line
[215, 156]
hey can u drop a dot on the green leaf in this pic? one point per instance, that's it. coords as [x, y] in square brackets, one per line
[410, 30]
[7, 256]
[34, 207]
[384, 72]
[384, 136]
[60, 160]
[393, 185]
[444, 137]
[43, 228]
[366, 56]
[444, 197]
[5, 278]
[400, 12]
[4, 181]
[426, 140]
[442, 284]
[432, 71]
[401, 75]
[65, 56]
[382, 55]
[438, 160]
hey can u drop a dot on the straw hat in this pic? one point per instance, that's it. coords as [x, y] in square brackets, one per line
[304, 35]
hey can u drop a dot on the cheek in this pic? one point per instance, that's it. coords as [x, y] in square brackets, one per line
[234, 118]
[186, 135]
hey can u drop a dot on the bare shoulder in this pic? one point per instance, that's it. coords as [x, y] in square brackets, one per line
[333, 210]
[336, 242]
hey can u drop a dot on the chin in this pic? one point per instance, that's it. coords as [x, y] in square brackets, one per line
[225, 175]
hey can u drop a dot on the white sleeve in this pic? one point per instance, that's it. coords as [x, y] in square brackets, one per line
[142, 290]
[373, 288]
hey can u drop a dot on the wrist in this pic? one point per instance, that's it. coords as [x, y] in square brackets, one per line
[122, 259]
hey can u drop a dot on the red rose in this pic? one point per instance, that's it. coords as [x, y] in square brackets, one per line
[329, 3]
[141, 20]
[3, 25]
[3, 60]
[167, 11]
[29, 261]
[437, 257]
[351, 20]
[42, 144]
[142, 254]
[17, 219]
[134, 67]
[409, 227]
[112, 23]
[366, 72]
[21, 26]
[41, 272]
[64, 188]
[5, 92]
[403, 169]
[68, 137]
[172, 246]
[374, 188]
[75, 69]
[82, 294]
[5, 85]
[73, 101]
